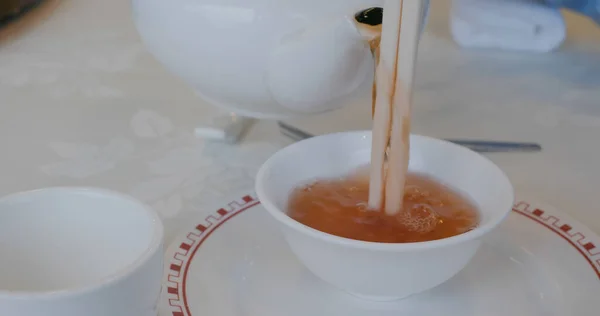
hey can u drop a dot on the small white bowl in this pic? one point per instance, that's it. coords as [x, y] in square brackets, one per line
[78, 251]
[382, 271]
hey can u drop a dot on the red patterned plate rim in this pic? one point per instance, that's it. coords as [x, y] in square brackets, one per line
[184, 249]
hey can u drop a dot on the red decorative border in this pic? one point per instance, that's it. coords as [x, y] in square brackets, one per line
[179, 264]
[588, 249]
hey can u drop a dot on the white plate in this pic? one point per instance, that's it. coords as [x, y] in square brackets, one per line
[234, 262]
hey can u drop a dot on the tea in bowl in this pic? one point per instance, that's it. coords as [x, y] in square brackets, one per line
[351, 253]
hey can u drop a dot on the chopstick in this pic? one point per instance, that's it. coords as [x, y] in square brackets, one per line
[403, 24]
[482, 146]
[386, 79]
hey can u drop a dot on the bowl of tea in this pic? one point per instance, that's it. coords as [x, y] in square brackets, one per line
[321, 193]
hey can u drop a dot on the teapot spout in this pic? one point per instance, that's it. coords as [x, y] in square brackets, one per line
[368, 23]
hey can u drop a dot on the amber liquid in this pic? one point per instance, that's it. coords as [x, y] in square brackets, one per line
[339, 207]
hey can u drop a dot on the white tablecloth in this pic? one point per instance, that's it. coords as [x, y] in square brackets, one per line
[83, 103]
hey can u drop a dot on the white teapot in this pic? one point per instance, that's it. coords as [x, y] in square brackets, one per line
[265, 58]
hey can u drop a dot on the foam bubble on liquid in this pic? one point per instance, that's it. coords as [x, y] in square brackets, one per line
[363, 206]
[419, 218]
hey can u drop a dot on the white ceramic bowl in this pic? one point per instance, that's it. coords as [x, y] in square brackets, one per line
[78, 251]
[380, 271]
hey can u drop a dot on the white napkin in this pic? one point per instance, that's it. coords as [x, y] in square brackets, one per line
[226, 128]
[523, 25]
